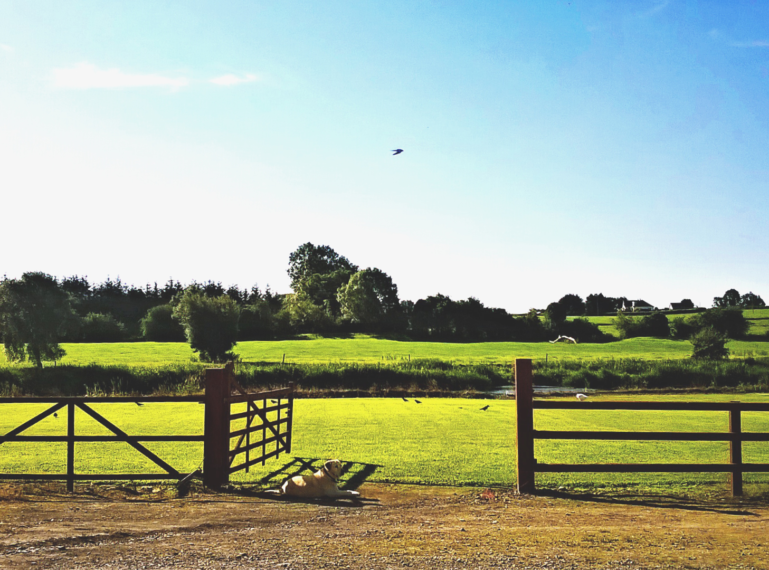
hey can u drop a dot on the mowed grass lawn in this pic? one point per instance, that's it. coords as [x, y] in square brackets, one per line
[441, 441]
[369, 350]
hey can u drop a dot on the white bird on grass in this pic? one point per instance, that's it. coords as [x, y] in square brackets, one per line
[581, 397]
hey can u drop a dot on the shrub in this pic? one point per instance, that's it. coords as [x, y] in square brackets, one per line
[682, 328]
[159, 325]
[709, 344]
[584, 331]
[728, 321]
[655, 324]
[210, 324]
[98, 327]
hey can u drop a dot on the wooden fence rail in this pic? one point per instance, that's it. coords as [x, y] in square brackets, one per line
[526, 435]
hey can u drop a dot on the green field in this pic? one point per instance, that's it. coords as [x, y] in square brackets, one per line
[438, 442]
[365, 349]
[758, 319]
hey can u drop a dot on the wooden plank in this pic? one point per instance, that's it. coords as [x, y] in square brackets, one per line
[269, 395]
[524, 425]
[250, 447]
[652, 468]
[89, 477]
[99, 399]
[735, 451]
[651, 406]
[101, 438]
[251, 413]
[270, 455]
[649, 435]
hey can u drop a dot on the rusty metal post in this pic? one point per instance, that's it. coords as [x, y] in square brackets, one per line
[216, 444]
[735, 450]
[524, 440]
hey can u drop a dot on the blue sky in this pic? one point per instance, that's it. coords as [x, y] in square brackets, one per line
[550, 147]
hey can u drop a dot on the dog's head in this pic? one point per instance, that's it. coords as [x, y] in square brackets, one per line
[333, 467]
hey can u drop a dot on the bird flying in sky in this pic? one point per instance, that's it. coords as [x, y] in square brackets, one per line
[397, 151]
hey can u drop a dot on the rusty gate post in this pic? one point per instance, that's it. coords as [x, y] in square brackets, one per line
[735, 450]
[524, 440]
[216, 445]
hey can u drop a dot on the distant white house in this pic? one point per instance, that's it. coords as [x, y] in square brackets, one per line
[636, 306]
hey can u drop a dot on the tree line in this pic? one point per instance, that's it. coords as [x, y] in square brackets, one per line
[330, 295]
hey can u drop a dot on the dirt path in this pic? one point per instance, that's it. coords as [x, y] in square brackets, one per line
[393, 527]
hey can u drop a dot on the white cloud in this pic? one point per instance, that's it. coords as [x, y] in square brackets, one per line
[6, 48]
[231, 79]
[88, 76]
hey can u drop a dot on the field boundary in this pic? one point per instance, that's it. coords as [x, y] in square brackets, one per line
[528, 465]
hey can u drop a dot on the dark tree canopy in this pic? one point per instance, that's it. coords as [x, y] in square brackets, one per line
[730, 299]
[35, 315]
[751, 301]
[572, 304]
[309, 259]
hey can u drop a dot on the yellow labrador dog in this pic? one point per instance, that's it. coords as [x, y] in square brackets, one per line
[321, 484]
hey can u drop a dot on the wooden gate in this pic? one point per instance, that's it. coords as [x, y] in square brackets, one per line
[262, 431]
[83, 404]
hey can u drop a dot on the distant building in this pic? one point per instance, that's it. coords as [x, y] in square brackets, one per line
[636, 306]
[678, 306]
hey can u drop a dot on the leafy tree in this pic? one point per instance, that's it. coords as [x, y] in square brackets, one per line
[687, 304]
[159, 325]
[584, 331]
[35, 314]
[555, 316]
[96, 327]
[309, 259]
[572, 304]
[730, 299]
[728, 321]
[210, 323]
[303, 315]
[710, 344]
[751, 301]
[369, 298]
[256, 321]
[656, 325]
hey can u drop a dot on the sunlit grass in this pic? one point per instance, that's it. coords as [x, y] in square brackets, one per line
[439, 442]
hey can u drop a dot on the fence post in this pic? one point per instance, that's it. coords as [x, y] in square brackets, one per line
[70, 447]
[524, 441]
[216, 445]
[735, 450]
[291, 385]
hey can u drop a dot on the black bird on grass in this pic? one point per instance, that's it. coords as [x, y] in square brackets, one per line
[397, 151]
[404, 399]
[417, 401]
[139, 404]
[55, 415]
[484, 408]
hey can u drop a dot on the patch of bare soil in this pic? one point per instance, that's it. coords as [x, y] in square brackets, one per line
[392, 527]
